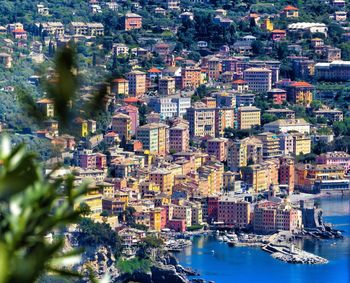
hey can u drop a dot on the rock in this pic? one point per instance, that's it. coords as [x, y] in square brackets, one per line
[169, 259]
[198, 280]
[186, 270]
[167, 273]
[142, 277]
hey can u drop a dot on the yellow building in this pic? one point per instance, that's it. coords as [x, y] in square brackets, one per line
[255, 177]
[307, 174]
[164, 179]
[93, 198]
[148, 186]
[82, 127]
[271, 145]
[47, 107]
[240, 153]
[156, 219]
[121, 124]
[121, 86]
[267, 24]
[106, 188]
[248, 116]
[301, 144]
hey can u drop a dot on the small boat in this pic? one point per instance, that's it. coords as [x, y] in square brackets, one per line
[212, 251]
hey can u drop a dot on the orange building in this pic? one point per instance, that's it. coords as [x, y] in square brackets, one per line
[132, 21]
[190, 77]
[300, 93]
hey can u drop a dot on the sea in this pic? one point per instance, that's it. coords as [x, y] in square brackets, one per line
[216, 261]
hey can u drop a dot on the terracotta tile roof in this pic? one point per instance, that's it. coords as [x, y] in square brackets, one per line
[300, 84]
[120, 80]
[154, 70]
[44, 101]
[278, 31]
[18, 30]
[239, 82]
[290, 8]
[131, 99]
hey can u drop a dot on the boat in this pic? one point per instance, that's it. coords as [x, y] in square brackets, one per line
[231, 243]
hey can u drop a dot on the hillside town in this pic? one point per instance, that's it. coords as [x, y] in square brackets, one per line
[216, 115]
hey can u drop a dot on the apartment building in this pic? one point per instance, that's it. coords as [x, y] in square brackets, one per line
[217, 147]
[258, 79]
[190, 77]
[137, 83]
[86, 29]
[233, 212]
[166, 86]
[154, 137]
[201, 120]
[132, 21]
[170, 106]
[271, 145]
[248, 116]
[245, 151]
[121, 124]
[288, 125]
[179, 138]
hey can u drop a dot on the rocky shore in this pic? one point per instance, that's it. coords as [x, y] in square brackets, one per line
[289, 253]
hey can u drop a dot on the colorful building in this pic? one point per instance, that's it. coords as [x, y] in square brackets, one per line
[248, 116]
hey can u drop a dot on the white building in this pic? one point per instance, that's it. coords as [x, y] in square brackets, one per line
[311, 27]
[171, 106]
[120, 49]
[288, 125]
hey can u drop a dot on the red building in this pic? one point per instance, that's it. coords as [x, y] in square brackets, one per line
[286, 173]
[278, 34]
[179, 225]
[132, 21]
[19, 33]
[213, 209]
[277, 95]
[101, 161]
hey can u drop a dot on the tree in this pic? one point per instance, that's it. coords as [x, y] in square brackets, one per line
[268, 118]
[257, 47]
[31, 207]
[93, 234]
[340, 128]
[316, 104]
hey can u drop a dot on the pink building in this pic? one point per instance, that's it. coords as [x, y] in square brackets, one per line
[87, 159]
[179, 225]
[179, 138]
[218, 148]
[270, 217]
[335, 158]
[133, 112]
[234, 213]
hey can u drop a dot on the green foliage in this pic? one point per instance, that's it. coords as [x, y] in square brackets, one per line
[268, 118]
[31, 207]
[129, 266]
[239, 134]
[94, 234]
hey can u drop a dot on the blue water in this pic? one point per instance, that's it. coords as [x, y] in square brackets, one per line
[249, 265]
